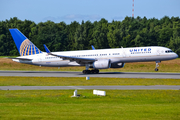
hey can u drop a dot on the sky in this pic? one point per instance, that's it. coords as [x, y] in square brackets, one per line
[93, 10]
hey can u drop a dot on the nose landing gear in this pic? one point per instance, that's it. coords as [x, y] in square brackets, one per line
[156, 69]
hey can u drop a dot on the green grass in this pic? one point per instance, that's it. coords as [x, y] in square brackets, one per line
[118, 104]
[81, 81]
[7, 56]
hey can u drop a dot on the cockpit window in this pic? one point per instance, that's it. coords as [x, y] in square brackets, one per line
[168, 51]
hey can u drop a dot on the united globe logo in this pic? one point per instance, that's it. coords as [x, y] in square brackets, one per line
[28, 48]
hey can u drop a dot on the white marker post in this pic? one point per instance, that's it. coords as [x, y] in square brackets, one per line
[87, 78]
[75, 94]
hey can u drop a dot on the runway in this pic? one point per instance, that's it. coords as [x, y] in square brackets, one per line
[101, 74]
[154, 87]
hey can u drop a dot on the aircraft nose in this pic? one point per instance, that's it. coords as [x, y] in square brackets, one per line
[175, 55]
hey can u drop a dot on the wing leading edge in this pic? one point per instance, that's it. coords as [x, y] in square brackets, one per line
[77, 59]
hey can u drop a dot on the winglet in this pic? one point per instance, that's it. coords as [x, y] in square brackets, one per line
[92, 47]
[47, 50]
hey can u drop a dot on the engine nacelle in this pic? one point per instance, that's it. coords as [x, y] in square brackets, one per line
[102, 64]
[117, 65]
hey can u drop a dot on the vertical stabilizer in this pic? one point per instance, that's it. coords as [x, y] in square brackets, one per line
[23, 44]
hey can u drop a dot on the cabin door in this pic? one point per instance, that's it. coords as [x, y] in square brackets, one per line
[158, 52]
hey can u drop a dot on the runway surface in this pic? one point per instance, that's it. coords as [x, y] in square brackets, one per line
[155, 87]
[101, 74]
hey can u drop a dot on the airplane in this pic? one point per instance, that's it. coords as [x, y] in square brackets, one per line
[95, 59]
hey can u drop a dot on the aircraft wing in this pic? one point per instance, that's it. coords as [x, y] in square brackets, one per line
[26, 59]
[77, 59]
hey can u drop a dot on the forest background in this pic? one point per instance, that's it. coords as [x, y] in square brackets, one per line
[130, 32]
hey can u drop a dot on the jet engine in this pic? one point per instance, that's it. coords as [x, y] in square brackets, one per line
[102, 64]
[117, 65]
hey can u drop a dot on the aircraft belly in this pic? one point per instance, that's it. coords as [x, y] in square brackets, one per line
[52, 63]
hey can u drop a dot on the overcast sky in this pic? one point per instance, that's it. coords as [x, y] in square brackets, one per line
[93, 10]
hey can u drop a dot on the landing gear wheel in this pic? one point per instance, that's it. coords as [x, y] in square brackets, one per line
[156, 69]
[96, 71]
[90, 71]
[86, 71]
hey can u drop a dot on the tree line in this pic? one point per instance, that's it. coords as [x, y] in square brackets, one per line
[130, 32]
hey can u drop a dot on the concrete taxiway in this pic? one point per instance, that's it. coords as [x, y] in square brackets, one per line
[154, 87]
[101, 74]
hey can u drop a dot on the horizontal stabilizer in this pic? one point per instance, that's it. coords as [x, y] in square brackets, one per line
[21, 59]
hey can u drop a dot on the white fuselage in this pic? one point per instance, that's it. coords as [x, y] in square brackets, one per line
[117, 55]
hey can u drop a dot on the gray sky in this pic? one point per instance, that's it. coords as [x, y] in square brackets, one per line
[93, 10]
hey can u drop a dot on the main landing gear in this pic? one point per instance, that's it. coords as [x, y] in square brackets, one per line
[95, 71]
[156, 69]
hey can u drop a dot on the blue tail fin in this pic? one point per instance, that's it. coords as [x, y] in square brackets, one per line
[23, 44]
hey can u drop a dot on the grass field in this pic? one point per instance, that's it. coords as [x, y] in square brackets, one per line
[165, 66]
[118, 104]
[81, 81]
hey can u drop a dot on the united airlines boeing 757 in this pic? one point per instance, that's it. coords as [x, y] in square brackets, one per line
[95, 59]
